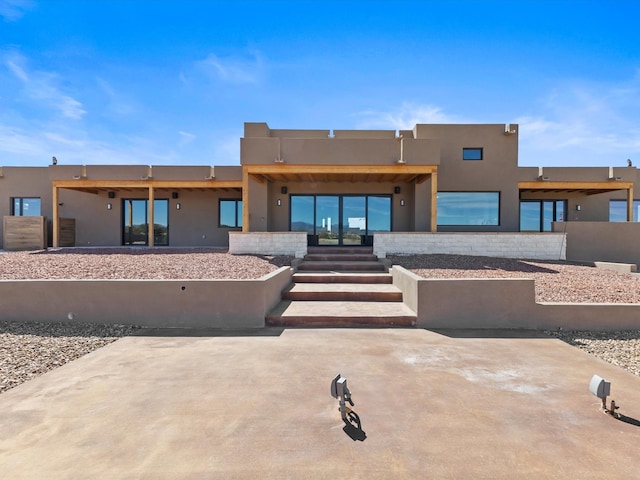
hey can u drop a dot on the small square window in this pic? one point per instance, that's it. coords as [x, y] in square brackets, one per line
[472, 153]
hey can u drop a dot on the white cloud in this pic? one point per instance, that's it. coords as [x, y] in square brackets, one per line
[186, 137]
[405, 117]
[13, 10]
[248, 69]
[583, 124]
[118, 104]
[42, 88]
[17, 71]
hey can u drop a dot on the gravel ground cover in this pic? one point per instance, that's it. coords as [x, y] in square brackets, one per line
[31, 349]
[621, 348]
[554, 281]
[136, 263]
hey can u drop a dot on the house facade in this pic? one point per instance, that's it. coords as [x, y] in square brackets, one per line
[338, 187]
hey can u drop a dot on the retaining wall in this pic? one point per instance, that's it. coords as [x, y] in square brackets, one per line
[601, 241]
[503, 303]
[152, 303]
[539, 246]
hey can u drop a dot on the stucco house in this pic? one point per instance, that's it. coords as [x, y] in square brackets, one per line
[332, 188]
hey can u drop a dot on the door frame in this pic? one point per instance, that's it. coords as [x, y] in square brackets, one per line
[367, 240]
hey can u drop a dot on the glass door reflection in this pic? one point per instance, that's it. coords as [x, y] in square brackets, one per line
[328, 220]
[354, 220]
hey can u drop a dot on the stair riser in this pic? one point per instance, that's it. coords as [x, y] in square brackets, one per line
[340, 258]
[291, 321]
[330, 278]
[337, 267]
[339, 250]
[344, 296]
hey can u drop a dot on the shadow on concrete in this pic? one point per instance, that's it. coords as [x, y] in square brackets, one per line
[629, 420]
[490, 333]
[353, 428]
[208, 332]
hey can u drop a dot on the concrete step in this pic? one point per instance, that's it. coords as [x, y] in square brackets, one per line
[340, 257]
[339, 277]
[343, 292]
[340, 314]
[339, 250]
[346, 266]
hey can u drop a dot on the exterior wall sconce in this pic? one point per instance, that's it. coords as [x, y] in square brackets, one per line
[279, 203]
[402, 202]
[396, 190]
[578, 208]
[109, 206]
[284, 190]
[111, 195]
[174, 195]
[177, 206]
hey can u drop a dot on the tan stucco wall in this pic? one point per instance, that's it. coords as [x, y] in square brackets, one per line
[152, 303]
[503, 303]
[602, 241]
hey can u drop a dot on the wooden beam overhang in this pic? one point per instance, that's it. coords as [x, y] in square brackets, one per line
[95, 186]
[340, 173]
[587, 188]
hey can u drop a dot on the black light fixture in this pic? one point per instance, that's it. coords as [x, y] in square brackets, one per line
[396, 190]
[174, 195]
[111, 194]
[283, 190]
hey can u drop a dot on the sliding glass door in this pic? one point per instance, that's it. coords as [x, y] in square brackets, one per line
[340, 219]
[135, 222]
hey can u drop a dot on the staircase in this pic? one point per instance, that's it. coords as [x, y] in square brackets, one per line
[341, 287]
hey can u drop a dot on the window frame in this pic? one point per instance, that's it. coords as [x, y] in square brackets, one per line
[465, 150]
[483, 225]
[636, 210]
[541, 220]
[238, 212]
[21, 210]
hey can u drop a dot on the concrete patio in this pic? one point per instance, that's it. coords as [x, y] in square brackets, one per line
[198, 404]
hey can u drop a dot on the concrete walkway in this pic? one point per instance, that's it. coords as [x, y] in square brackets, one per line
[481, 405]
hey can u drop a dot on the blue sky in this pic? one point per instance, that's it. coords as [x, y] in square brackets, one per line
[172, 82]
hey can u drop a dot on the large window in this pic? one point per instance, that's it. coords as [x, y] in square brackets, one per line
[538, 215]
[230, 213]
[618, 210]
[469, 208]
[26, 207]
[472, 153]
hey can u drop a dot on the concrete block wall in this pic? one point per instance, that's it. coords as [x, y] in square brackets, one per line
[268, 243]
[539, 246]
